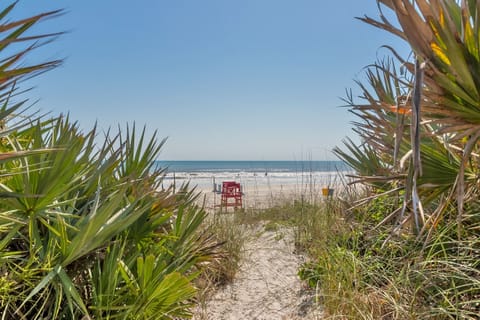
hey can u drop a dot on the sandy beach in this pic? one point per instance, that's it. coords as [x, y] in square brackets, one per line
[264, 191]
[266, 285]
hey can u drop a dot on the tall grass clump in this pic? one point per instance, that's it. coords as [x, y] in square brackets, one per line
[85, 232]
[407, 248]
[363, 272]
[232, 237]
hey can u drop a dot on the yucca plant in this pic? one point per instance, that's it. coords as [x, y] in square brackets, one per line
[444, 34]
[419, 152]
[422, 124]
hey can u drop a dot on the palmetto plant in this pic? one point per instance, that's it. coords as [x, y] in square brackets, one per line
[84, 231]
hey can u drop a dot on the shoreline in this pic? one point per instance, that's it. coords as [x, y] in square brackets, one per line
[264, 191]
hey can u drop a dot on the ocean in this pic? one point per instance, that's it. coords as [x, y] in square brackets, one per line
[205, 174]
[252, 166]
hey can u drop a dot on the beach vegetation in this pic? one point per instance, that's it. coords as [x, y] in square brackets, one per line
[232, 237]
[407, 247]
[86, 232]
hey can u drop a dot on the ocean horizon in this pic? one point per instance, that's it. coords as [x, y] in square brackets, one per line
[205, 174]
[251, 166]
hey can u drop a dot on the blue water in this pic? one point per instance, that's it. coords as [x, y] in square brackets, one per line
[252, 166]
[258, 175]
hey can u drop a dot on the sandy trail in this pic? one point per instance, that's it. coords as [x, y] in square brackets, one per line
[266, 285]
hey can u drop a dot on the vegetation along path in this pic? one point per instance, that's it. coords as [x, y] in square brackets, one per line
[266, 285]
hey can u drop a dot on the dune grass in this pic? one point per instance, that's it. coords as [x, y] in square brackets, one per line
[357, 270]
[363, 272]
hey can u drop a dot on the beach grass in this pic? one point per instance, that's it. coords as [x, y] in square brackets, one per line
[359, 271]
[353, 271]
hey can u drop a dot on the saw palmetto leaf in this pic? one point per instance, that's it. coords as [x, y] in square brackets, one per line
[69, 199]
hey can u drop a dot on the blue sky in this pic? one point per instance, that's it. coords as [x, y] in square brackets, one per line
[222, 79]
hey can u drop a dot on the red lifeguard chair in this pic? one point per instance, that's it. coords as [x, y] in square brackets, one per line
[231, 190]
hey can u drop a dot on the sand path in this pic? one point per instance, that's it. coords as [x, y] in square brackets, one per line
[266, 285]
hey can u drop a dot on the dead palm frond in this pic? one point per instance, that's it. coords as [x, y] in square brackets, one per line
[441, 102]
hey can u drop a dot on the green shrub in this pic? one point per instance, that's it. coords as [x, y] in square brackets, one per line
[84, 231]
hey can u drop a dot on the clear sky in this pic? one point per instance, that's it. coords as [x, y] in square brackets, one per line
[223, 79]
